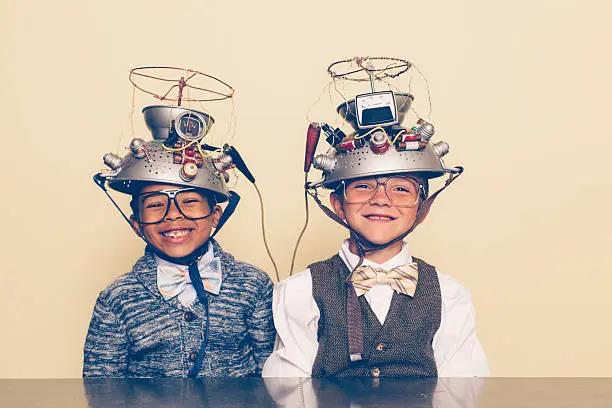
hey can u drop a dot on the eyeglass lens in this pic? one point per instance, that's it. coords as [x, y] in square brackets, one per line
[400, 190]
[191, 204]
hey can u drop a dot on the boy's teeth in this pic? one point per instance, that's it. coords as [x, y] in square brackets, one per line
[176, 233]
[379, 217]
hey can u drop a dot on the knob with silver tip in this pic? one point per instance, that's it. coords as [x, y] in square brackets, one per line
[137, 147]
[426, 130]
[441, 148]
[379, 143]
[112, 160]
[324, 162]
[188, 171]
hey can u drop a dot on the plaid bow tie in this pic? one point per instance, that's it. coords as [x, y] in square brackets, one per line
[402, 279]
[174, 281]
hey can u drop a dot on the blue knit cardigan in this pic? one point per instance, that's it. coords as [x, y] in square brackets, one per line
[134, 332]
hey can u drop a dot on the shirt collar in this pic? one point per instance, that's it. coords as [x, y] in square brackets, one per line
[351, 260]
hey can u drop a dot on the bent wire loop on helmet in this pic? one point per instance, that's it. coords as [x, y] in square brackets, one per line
[177, 155]
[380, 144]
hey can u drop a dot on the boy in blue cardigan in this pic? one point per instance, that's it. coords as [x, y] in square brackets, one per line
[187, 308]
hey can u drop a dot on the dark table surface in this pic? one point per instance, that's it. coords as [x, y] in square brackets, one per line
[293, 392]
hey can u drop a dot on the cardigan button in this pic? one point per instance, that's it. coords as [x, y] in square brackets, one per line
[381, 347]
[189, 316]
[375, 372]
[193, 356]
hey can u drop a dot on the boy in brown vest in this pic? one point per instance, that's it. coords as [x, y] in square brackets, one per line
[373, 309]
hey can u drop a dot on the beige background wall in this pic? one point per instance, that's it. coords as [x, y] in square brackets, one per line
[520, 89]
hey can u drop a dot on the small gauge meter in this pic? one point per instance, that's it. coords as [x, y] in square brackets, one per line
[191, 126]
[376, 109]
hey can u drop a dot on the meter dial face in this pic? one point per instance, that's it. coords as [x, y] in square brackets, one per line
[376, 109]
[190, 126]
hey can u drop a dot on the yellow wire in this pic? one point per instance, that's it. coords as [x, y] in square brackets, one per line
[179, 149]
[398, 135]
[370, 132]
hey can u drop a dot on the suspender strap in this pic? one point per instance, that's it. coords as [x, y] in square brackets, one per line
[355, 324]
[196, 281]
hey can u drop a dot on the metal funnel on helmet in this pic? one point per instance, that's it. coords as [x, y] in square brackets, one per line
[159, 117]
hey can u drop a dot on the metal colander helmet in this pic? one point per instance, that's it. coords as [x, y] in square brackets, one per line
[174, 156]
[380, 150]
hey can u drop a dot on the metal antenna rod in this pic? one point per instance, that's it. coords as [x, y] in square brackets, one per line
[182, 84]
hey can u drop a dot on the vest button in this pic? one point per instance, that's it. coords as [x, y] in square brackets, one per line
[375, 372]
[189, 316]
[381, 347]
[193, 356]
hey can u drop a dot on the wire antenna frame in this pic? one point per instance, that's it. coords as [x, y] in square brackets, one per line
[363, 69]
[182, 80]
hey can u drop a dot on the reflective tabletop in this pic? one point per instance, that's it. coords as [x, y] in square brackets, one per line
[293, 392]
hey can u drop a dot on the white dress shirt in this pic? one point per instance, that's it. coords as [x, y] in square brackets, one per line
[457, 351]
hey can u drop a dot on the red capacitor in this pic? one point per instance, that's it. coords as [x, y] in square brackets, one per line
[312, 139]
[348, 145]
[417, 145]
[410, 137]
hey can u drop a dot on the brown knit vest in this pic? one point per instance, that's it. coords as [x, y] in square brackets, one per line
[402, 346]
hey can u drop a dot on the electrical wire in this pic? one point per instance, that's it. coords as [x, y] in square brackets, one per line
[368, 133]
[263, 230]
[297, 243]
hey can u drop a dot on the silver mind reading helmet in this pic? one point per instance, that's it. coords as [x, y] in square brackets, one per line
[174, 156]
[381, 150]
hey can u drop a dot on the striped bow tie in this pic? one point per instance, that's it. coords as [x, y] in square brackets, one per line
[402, 279]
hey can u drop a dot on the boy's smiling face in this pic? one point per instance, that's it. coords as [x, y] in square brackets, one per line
[378, 220]
[176, 236]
